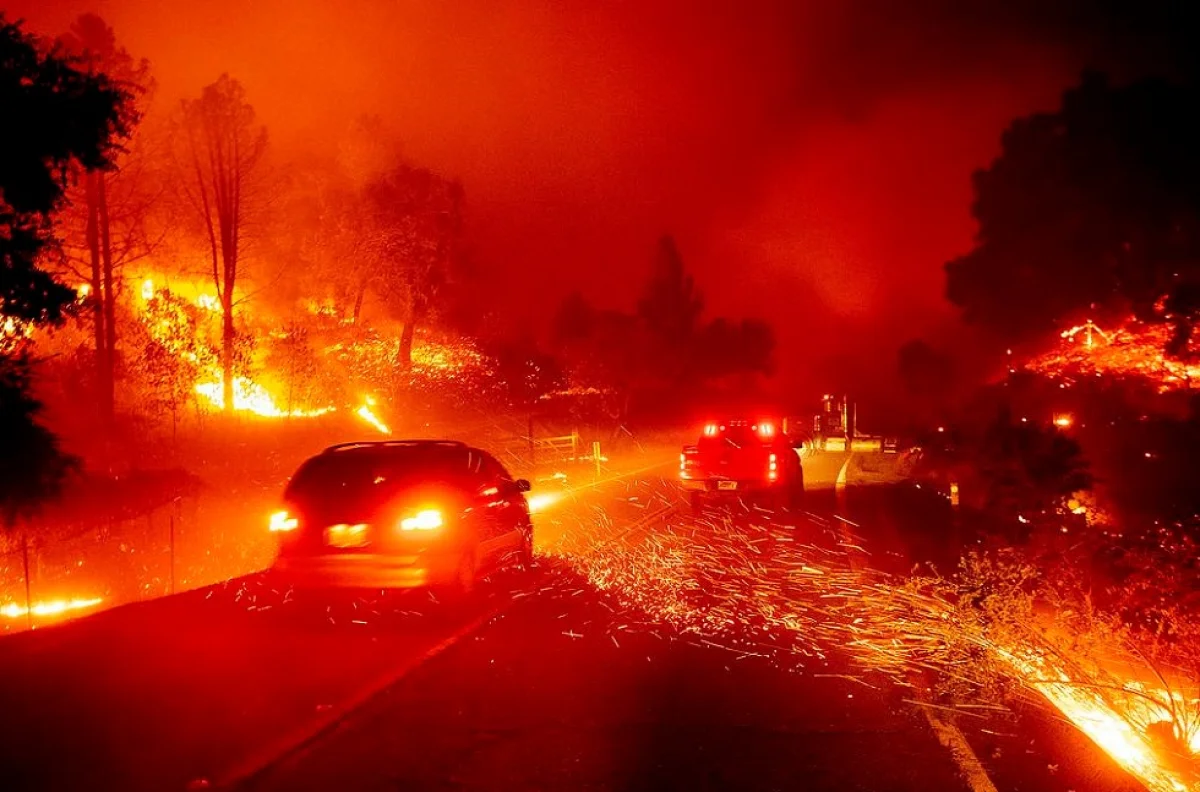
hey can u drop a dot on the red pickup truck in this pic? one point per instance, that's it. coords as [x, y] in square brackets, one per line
[743, 457]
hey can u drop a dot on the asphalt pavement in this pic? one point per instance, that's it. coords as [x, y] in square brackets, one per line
[546, 681]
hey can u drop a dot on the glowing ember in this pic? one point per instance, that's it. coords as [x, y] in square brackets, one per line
[53, 608]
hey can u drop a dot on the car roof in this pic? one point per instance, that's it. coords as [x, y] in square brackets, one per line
[395, 444]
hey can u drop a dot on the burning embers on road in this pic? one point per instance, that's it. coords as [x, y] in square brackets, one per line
[752, 587]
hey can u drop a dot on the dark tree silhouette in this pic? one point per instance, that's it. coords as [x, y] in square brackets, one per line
[1093, 209]
[723, 348]
[671, 305]
[664, 350]
[53, 117]
[32, 466]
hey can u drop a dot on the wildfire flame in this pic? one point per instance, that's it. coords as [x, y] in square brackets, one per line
[1136, 350]
[367, 414]
[53, 608]
[249, 396]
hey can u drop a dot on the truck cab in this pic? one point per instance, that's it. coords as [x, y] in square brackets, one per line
[743, 457]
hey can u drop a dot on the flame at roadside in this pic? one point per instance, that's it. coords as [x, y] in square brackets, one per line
[367, 414]
[249, 396]
[52, 608]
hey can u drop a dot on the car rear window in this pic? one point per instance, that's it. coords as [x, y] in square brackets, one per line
[358, 472]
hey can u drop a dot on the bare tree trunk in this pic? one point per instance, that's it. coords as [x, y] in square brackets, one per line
[420, 310]
[97, 286]
[110, 300]
[406, 343]
[358, 299]
[28, 585]
[227, 338]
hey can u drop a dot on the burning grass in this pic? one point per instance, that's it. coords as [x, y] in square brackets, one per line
[999, 628]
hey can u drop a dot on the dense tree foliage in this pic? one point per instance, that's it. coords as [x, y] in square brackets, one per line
[53, 117]
[1093, 209]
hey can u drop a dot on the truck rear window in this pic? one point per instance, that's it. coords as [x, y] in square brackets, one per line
[734, 436]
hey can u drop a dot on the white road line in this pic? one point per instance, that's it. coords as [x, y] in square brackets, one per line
[953, 740]
[259, 761]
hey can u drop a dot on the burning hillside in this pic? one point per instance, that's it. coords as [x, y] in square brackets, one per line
[1135, 350]
[316, 364]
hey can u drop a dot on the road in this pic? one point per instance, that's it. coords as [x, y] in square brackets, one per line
[603, 669]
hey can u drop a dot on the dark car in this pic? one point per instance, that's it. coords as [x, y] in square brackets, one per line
[402, 514]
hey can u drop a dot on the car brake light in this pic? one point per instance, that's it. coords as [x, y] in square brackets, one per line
[427, 520]
[281, 522]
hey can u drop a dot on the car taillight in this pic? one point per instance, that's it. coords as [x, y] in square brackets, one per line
[427, 520]
[281, 522]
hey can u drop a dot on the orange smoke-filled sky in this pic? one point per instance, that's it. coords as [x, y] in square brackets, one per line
[812, 159]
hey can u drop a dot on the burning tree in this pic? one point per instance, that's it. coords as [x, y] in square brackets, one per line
[173, 353]
[223, 147]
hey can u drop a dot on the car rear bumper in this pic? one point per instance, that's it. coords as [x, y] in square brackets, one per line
[367, 570]
[714, 486]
